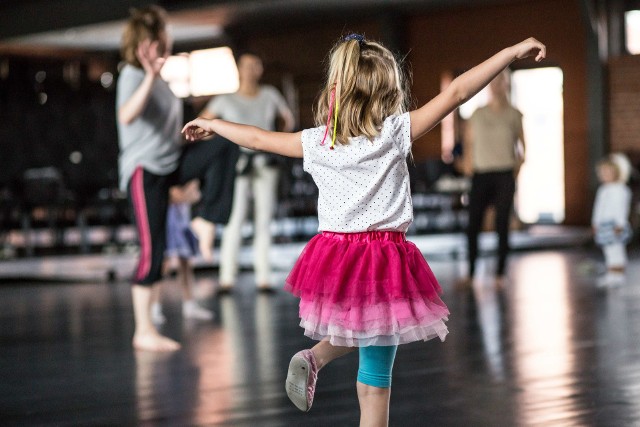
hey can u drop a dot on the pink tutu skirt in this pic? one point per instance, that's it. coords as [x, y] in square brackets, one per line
[363, 289]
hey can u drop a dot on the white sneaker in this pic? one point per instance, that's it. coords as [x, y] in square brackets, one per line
[157, 316]
[191, 310]
[611, 280]
[617, 279]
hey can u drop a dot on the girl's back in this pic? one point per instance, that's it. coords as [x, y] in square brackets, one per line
[363, 185]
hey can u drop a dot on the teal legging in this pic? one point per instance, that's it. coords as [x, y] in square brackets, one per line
[376, 364]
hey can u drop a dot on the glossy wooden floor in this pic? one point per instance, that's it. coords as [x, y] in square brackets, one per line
[549, 350]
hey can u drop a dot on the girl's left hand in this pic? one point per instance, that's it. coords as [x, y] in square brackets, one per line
[197, 129]
[530, 47]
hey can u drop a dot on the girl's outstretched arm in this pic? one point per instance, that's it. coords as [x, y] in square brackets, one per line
[283, 143]
[468, 84]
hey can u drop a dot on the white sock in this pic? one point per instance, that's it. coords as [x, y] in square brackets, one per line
[191, 310]
[616, 278]
[156, 313]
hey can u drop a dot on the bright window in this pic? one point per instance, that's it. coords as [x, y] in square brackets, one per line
[176, 72]
[201, 73]
[632, 31]
[537, 93]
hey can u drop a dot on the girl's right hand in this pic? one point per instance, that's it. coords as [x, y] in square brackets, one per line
[530, 47]
[197, 129]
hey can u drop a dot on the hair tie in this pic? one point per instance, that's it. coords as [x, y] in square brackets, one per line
[354, 36]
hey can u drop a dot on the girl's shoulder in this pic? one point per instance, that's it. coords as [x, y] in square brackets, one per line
[396, 121]
[313, 136]
[395, 128]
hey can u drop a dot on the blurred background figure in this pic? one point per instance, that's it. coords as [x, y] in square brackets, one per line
[182, 247]
[257, 175]
[492, 136]
[610, 219]
[153, 157]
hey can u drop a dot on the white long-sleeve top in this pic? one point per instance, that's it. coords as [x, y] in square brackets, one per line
[613, 202]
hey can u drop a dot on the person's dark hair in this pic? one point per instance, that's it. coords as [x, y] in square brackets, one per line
[145, 23]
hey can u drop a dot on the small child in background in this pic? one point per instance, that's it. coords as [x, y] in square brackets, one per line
[610, 220]
[624, 166]
[182, 245]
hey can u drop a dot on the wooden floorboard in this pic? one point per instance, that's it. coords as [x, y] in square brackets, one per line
[548, 350]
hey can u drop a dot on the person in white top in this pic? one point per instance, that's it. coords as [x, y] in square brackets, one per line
[257, 105]
[361, 284]
[610, 220]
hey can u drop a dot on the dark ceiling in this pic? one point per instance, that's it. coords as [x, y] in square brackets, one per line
[84, 25]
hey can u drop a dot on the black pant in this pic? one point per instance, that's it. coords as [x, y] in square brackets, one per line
[490, 188]
[213, 163]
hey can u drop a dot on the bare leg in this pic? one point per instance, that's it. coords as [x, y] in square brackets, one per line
[206, 232]
[190, 309]
[146, 336]
[155, 294]
[303, 372]
[325, 352]
[185, 275]
[157, 317]
[374, 405]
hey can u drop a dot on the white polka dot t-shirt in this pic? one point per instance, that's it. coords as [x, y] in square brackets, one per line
[363, 185]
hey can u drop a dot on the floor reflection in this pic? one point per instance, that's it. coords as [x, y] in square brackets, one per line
[240, 357]
[548, 349]
[544, 365]
[489, 306]
[618, 352]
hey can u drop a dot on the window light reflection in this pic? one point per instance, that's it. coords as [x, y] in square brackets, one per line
[213, 71]
[201, 73]
[176, 72]
[545, 359]
[632, 31]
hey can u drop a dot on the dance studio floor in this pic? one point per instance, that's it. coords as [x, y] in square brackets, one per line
[548, 350]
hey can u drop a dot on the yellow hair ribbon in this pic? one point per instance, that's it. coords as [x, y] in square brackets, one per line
[335, 123]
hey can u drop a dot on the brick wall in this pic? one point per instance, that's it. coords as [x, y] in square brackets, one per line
[452, 41]
[624, 104]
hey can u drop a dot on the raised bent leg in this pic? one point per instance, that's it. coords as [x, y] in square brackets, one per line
[303, 372]
[213, 163]
[325, 352]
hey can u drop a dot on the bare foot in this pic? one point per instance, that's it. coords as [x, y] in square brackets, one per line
[205, 231]
[154, 342]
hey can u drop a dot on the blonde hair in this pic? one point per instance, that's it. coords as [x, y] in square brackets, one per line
[145, 23]
[368, 86]
[607, 162]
